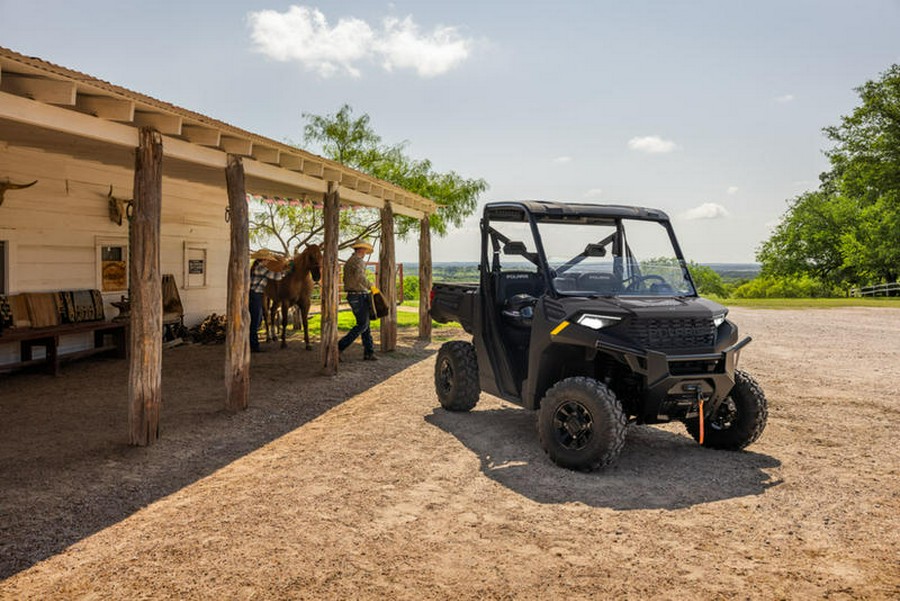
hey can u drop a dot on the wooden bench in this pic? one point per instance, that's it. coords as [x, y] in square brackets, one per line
[48, 338]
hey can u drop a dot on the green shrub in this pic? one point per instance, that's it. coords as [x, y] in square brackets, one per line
[785, 287]
[410, 288]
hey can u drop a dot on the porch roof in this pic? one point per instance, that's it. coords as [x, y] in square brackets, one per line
[51, 107]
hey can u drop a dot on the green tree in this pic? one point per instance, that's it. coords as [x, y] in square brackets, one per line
[351, 141]
[706, 279]
[848, 231]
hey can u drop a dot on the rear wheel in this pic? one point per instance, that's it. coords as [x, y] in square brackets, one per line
[456, 376]
[581, 424]
[738, 421]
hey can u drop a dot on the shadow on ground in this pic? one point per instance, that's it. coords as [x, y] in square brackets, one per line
[656, 470]
[68, 472]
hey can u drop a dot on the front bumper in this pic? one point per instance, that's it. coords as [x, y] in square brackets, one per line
[674, 384]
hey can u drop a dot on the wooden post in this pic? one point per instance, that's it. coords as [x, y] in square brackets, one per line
[237, 338]
[330, 284]
[145, 365]
[387, 279]
[425, 279]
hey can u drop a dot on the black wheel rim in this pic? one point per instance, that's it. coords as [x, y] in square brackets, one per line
[725, 416]
[573, 425]
[445, 377]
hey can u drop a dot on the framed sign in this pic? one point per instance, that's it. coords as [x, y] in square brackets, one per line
[195, 265]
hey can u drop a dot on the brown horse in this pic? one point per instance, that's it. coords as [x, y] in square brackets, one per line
[295, 288]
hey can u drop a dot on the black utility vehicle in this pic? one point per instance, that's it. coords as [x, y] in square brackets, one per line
[587, 313]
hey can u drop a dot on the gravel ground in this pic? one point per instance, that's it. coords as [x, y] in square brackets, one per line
[360, 486]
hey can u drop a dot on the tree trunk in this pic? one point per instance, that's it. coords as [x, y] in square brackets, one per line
[237, 337]
[425, 279]
[145, 366]
[330, 274]
[387, 279]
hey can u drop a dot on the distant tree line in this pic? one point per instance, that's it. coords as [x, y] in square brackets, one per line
[847, 232]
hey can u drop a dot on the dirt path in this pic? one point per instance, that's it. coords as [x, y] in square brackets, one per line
[359, 487]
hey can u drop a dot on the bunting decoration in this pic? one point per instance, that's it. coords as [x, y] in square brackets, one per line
[295, 202]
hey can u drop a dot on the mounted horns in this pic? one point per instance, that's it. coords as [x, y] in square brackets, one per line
[8, 185]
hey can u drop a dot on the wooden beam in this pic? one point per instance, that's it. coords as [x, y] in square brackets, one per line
[106, 107]
[387, 279]
[349, 181]
[330, 275]
[332, 174]
[238, 146]
[363, 186]
[162, 122]
[313, 168]
[425, 275]
[205, 136]
[266, 154]
[291, 161]
[145, 358]
[237, 336]
[51, 91]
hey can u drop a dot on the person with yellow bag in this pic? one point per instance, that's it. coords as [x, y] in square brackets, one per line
[358, 289]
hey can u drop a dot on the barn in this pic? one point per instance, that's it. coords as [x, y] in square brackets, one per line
[104, 191]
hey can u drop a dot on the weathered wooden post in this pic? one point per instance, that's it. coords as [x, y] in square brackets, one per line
[425, 279]
[387, 279]
[330, 275]
[145, 363]
[237, 338]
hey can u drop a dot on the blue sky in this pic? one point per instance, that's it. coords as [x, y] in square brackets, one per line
[709, 110]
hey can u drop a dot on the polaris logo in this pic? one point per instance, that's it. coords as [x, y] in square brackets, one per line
[518, 276]
[677, 332]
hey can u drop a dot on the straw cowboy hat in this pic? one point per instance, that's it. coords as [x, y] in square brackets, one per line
[361, 244]
[262, 253]
[272, 260]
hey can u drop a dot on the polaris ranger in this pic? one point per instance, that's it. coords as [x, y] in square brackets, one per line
[588, 314]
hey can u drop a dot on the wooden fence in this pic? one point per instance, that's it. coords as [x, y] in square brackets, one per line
[892, 289]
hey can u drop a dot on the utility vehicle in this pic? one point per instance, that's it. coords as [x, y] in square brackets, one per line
[587, 314]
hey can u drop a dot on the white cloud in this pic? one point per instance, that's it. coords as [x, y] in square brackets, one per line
[651, 144]
[430, 55]
[562, 160]
[784, 99]
[732, 190]
[593, 193]
[303, 34]
[708, 210]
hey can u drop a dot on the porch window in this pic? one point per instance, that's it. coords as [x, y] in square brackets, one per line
[112, 262]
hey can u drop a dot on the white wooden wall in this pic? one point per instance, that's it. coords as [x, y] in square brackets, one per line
[53, 227]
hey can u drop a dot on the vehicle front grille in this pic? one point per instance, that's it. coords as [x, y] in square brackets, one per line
[673, 334]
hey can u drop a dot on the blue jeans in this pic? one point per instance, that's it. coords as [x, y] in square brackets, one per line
[256, 314]
[361, 305]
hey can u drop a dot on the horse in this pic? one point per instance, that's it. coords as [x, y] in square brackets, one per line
[295, 288]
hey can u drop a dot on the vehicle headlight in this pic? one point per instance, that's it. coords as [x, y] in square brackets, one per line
[597, 322]
[719, 318]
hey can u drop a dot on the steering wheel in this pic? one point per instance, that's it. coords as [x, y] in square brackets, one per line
[638, 284]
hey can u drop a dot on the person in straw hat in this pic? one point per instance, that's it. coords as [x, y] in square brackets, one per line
[266, 266]
[357, 287]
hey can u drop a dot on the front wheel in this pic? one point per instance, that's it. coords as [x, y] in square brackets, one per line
[738, 421]
[581, 424]
[456, 376]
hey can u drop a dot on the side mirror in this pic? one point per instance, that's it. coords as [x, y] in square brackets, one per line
[515, 248]
[594, 250]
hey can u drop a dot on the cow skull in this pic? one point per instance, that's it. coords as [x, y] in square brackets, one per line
[118, 208]
[8, 185]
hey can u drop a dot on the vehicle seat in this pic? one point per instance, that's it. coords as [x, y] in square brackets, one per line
[519, 310]
[599, 283]
[511, 283]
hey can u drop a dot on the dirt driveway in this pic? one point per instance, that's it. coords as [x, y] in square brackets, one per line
[360, 487]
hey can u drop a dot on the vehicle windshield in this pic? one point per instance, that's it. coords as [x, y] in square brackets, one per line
[624, 257]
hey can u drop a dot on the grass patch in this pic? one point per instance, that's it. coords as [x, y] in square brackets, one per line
[809, 303]
[346, 321]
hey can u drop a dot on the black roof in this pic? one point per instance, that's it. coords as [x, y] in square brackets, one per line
[544, 210]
